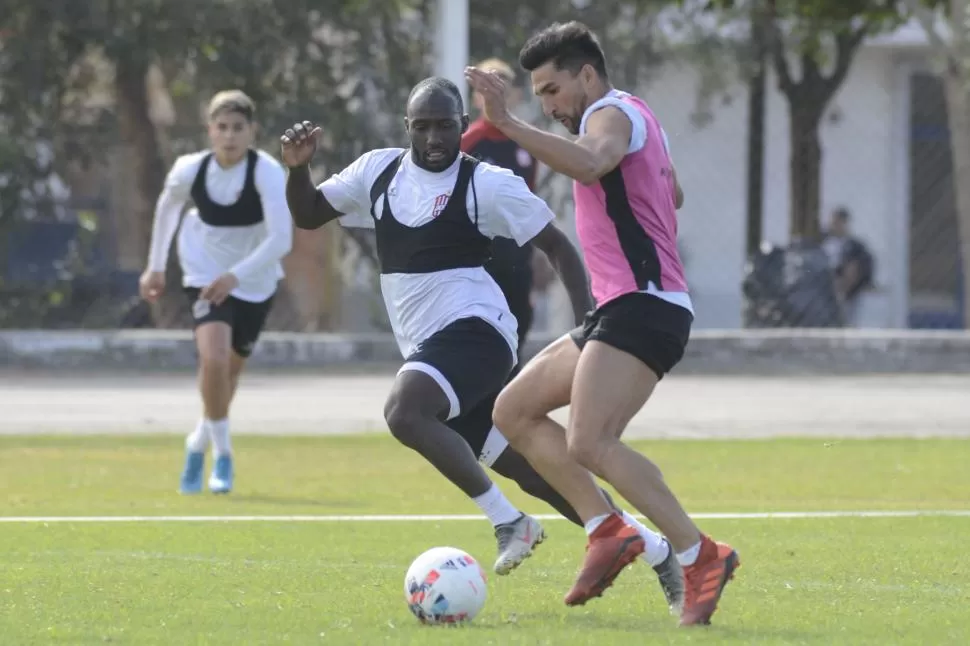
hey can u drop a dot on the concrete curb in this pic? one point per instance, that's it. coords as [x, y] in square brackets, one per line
[710, 351]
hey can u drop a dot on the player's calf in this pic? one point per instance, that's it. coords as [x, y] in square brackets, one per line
[214, 342]
[413, 412]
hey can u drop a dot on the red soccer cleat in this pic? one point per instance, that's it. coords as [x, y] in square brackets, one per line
[612, 547]
[706, 579]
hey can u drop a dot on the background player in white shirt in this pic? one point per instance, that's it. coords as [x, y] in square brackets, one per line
[435, 213]
[230, 248]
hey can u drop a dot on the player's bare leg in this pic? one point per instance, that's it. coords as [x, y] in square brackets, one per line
[215, 377]
[414, 411]
[609, 388]
[658, 554]
[522, 412]
[236, 365]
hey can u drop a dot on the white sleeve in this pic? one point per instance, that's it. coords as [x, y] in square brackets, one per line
[663, 134]
[506, 206]
[168, 208]
[349, 190]
[270, 180]
[638, 136]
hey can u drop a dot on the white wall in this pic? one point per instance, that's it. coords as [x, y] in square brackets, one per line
[861, 148]
[710, 164]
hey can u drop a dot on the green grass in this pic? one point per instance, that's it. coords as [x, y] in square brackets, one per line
[831, 581]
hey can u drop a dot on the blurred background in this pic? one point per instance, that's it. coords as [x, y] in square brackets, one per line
[821, 145]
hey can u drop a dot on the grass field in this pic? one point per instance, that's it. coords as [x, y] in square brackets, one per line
[842, 580]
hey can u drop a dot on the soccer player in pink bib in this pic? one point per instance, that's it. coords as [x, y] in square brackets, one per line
[626, 196]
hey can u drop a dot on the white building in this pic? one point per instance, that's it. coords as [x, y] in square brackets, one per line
[885, 157]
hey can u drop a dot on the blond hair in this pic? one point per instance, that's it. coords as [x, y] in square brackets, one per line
[498, 66]
[232, 101]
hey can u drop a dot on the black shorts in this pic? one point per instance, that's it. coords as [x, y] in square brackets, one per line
[471, 362]
[651, 329]
[476, 427]
[245, 318]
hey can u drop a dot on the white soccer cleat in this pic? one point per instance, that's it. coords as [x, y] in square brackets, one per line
[516, 540]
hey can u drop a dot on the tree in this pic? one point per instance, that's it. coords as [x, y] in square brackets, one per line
[823, 36]
[338, 61]
[951, 45]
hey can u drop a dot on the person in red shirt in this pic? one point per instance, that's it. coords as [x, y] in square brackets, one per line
[511, 266]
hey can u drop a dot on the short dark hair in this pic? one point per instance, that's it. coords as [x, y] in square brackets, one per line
[568, 45]
[439, 84]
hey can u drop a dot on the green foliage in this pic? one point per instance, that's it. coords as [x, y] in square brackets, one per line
[625, 28]
[347, 64]
[811, 22]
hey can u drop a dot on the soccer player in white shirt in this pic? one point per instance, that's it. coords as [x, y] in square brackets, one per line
[230, 248]
[435, 212]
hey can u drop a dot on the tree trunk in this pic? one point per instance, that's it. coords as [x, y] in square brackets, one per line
[756, 136]
[805, 173]
[958, 108]
[143, 169]
[144, 166]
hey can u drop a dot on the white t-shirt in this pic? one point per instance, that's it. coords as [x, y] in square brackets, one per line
[419, 305]
[253, 253]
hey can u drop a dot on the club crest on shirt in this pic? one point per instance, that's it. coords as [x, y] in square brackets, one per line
[440, 203]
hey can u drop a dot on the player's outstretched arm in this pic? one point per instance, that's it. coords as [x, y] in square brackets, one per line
[308, 207]
[586, 160]
[565, 260]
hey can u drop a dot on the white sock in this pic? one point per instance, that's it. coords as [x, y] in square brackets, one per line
[689, 557]
[198, 440]
[219, 431]
[497, 507]
[657, 548]
[593, 523]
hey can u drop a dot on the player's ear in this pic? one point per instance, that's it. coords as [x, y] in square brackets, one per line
[464, 123]
[407, 125]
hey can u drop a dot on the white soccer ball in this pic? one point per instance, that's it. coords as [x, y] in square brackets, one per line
[445, 585]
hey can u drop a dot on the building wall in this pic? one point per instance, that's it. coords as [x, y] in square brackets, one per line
[863, 139]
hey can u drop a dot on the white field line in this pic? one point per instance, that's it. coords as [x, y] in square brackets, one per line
[779, 515]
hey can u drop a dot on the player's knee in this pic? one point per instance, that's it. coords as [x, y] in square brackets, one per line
[587, 451]
[404, 420]
[510, 416]
[216, 359]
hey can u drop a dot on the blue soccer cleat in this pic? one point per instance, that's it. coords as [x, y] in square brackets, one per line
[191, 481]
[221, 479]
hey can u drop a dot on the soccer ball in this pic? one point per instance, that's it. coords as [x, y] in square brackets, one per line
[445, 585]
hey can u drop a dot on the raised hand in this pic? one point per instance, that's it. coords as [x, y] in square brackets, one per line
[299, 143]
[494, 90]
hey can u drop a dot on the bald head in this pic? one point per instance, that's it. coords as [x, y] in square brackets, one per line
[435, 121]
